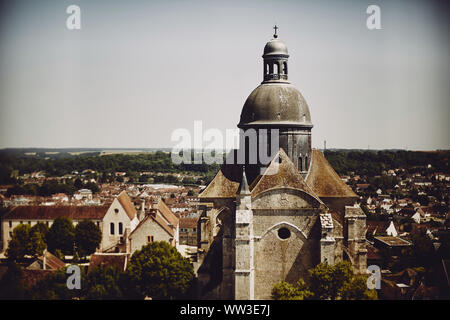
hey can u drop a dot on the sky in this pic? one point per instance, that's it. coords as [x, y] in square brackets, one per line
[137, 71]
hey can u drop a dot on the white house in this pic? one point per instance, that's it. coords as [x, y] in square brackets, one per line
[121, 216]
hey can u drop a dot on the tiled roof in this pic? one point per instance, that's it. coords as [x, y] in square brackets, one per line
[126, 203]
[188, 223]
[324, 180]
[157, 219]
[53, 212]
[119, 260]
[52, 262]
[167, 213]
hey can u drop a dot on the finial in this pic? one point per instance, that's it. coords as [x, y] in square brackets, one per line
[275, 34]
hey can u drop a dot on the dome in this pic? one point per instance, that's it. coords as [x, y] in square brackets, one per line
[275, 105]
[275, 47]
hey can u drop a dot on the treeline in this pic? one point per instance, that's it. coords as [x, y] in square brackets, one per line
[50, 187]
[371, 163]
[13, 165]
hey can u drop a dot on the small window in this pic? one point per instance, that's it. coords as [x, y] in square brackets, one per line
[111, 228]
[29, 222]
[21, 222]
[10, 224]
[300, 163]
[10, 234]
[47, 223]
[150, 239]
[116, 210]
[120, 228]
[195, 229]
[284, 233]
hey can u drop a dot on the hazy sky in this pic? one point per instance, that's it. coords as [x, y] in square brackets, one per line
[137, 70]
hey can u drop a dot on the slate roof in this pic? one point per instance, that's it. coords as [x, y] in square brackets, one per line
[53, 212]
[324, 180]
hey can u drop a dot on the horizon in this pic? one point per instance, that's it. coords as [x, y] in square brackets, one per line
[135, 72]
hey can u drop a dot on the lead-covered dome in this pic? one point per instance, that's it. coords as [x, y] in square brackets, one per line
[275, 104]
[275, 47]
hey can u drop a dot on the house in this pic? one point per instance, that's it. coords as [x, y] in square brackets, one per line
[151, 228]
[121, 218]
[113, 220]
[188, 231]
[47, 215]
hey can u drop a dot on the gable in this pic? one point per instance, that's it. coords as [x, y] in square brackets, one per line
[285, 198]
[281, 173]
[324, 180]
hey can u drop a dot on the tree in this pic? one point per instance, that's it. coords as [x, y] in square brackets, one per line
[159, 271]
[61, 236]
[87, 237]
[53, 287]
[19, 245]
[286, 291]
[11, 284]
[337, 282]
[102, 283]
[38, 234]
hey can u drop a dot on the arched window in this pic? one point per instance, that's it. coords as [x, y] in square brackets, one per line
[275, 68]
[120, 228]
[285, 67]
[306, 162]
[267, 68]
[300, 163]
[111, 228]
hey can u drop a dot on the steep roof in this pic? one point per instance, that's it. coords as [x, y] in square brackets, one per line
[324, 180]
[126, 203]
[282, 174]
[225, 184]
[158, 220]
[167, 213]
[53, 212]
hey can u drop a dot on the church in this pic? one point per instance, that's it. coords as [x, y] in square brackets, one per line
[264, 223]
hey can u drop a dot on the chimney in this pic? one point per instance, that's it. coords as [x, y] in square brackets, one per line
[142, 214]
[44, 263]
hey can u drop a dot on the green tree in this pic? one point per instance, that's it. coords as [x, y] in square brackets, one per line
[102, 283]
[337, 282]
[159, 271]
[53, 287]
[19, 245]
[286, 291]
[38, 234]
[61, 236]
[87, 237]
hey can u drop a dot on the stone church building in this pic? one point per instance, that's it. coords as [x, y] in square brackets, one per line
[261, 224]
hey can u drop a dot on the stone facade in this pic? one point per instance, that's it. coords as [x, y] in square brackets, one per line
[293, 214]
